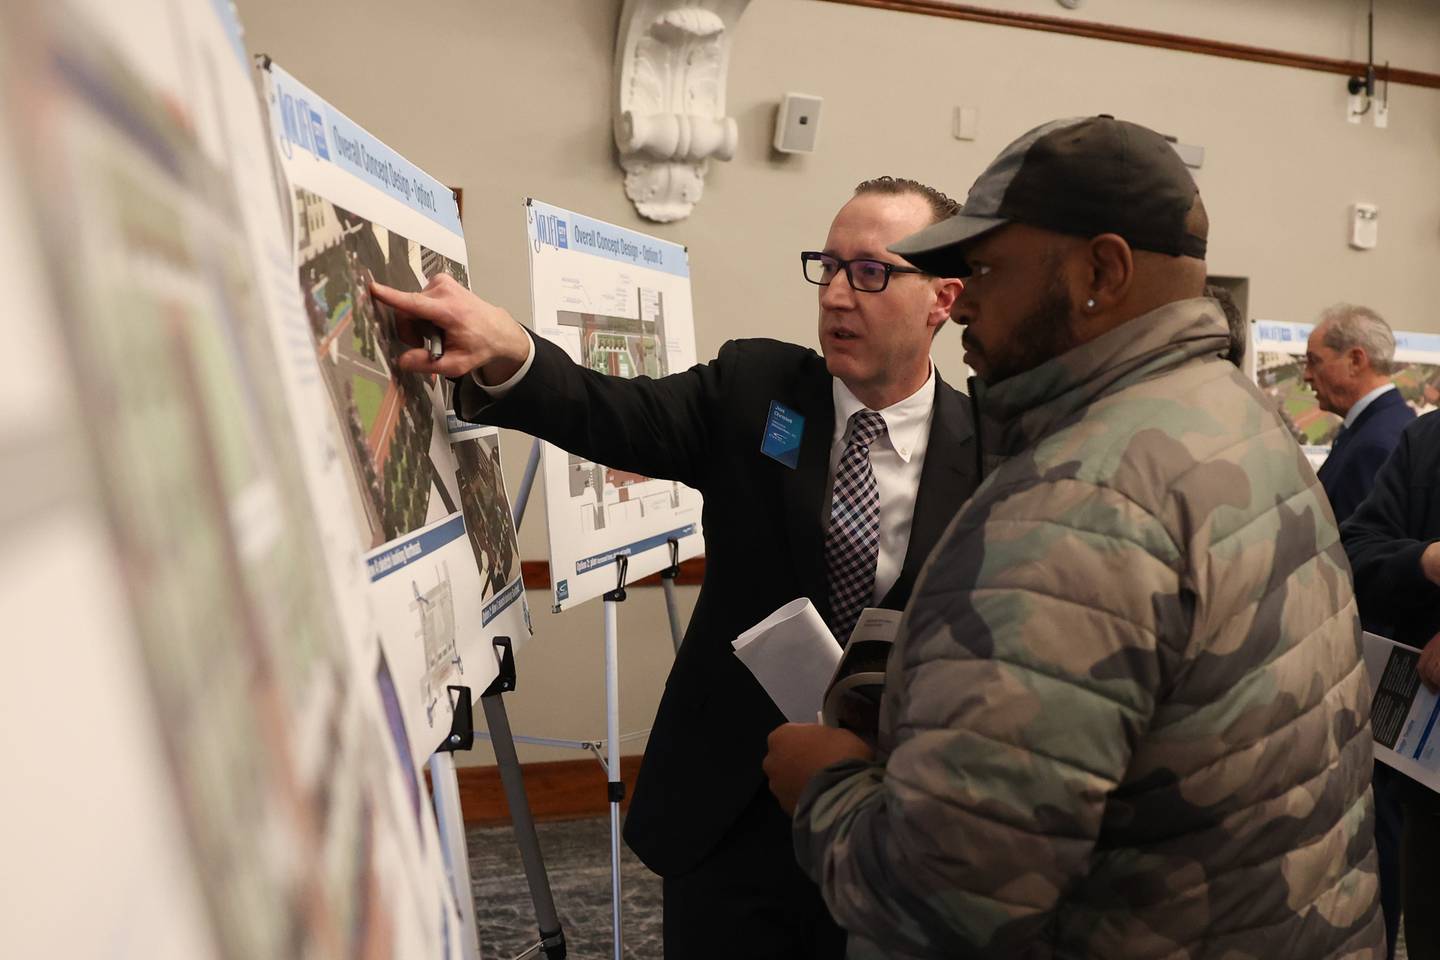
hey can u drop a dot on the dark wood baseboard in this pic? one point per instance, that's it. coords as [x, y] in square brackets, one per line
[536, 574]
[557, 790]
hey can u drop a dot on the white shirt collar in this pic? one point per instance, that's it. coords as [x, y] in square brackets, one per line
[1364, 402]
[905, 421]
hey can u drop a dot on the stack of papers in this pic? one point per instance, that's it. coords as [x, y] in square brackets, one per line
[804, 670]
[793, 655]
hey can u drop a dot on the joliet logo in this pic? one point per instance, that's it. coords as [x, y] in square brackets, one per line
[304, 126]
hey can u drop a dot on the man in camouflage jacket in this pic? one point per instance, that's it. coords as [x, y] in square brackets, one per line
[1126, 715]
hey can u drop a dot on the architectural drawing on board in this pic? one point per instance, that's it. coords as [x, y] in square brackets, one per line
[620, 347]
[608, 495]
[435, 612]
[386, 414]
[618, 303]
[487, 512]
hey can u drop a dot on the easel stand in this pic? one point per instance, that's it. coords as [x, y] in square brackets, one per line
[672, 605]
[552, 937]
[615, 786]
[446, 788]
[451, 820]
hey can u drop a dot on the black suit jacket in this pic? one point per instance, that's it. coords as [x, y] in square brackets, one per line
[1386, 536]
[764, 545]
[1349, 471]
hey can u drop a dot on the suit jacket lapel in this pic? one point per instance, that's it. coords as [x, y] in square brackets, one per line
[804, 487]
[947, 479]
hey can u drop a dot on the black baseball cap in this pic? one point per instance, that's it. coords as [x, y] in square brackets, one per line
[1084, 176]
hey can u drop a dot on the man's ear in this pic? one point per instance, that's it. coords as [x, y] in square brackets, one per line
[947, 291]
[1110, 272]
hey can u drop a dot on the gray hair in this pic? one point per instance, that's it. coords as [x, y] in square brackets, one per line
[1348, 326]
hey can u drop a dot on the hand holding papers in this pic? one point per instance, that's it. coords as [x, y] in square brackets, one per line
[799, 663]
[793, 655]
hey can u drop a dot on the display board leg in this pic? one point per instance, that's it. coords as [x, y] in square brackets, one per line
[445, 788]
[523, 496]
[615, 785]
[552, 937]
[672, 604]
[451, 822]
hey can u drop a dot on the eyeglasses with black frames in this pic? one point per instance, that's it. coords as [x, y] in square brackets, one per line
[864, 275]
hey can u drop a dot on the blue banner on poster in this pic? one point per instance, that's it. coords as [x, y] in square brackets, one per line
[566, 230]
[639, 546]
[307, 122]
[389, 559]
[1426, 342]
[501, 602]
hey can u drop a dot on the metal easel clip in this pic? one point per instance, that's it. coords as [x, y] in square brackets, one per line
[504, 681]
[622, 569]
[462, 722]
[673, 571]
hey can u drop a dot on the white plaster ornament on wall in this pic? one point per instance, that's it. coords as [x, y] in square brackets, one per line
[671, 60]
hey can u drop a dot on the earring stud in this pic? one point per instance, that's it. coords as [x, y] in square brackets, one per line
[1090, 304]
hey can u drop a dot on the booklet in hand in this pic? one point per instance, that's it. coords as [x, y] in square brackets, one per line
[853, 700]
[1403, 711]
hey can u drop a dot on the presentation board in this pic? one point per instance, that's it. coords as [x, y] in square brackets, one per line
[1277, 352]
[618, 302]
[443, 571]
[207, 602]
[53, 538]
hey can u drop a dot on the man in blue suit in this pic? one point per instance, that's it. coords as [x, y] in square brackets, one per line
[1348, 362]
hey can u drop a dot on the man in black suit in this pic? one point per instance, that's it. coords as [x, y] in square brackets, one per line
[1393, 543]
[886, 448]
[1348, 361]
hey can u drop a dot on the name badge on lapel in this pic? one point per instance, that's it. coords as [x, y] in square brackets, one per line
[783, 430]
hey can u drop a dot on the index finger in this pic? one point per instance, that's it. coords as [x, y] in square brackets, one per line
[412, 304]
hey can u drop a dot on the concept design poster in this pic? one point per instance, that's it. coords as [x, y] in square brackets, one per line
[618, 302]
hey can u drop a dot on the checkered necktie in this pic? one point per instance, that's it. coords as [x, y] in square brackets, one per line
[853, 540]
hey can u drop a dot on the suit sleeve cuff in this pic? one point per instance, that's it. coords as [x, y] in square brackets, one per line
[1409, 573]
[499, 390]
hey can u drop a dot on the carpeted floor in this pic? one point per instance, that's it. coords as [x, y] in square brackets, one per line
[577, 859]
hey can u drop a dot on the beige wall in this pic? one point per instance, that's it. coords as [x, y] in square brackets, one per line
[509, 98]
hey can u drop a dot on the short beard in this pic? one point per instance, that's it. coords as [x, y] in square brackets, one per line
[1042, 334]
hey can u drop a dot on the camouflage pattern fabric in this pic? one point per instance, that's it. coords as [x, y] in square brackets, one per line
[1126, 716]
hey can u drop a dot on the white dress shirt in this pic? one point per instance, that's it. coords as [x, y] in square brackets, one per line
[1365, 401]
[896, 458]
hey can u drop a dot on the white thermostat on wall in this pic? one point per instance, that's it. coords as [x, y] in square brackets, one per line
[797, 125]
[1364, 226]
